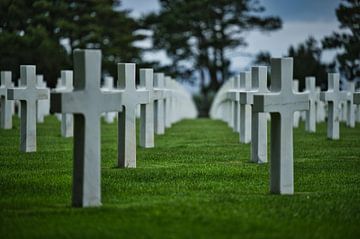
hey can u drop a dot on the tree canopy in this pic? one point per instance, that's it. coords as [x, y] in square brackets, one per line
[348, 14]
[45, 32]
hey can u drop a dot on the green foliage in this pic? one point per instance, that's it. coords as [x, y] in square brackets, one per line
[348, 14]
[45, 32]
[196, 183]
[307, 62]
[196, 35]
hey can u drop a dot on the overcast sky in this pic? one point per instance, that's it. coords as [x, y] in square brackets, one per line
[301, 19]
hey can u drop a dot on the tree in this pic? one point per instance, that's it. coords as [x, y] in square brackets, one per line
[196, 35]
[307, 62]
[348, 14]
[45, 32]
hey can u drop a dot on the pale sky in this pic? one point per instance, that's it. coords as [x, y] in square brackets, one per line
[301, 19]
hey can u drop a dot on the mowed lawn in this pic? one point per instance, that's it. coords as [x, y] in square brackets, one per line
[196, 183]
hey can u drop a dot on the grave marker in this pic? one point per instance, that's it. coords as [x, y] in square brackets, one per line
[258, 120]
[159, 107]
[245, 109]
[310, 88]
[131, 98]
[28, 94]
[87, 102]
[5, 103]
[333, 96]
[350, 107]
[281, 102]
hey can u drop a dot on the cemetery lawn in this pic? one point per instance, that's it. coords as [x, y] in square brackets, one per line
[196, 183]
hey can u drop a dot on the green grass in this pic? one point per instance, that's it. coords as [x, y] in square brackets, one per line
[196, 183]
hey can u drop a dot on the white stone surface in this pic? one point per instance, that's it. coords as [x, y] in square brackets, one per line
[109, 117]
[146, 133]
[357, 98]
[43, 106]
[281, 102]
[67, 120]
[28, 94]
[333, 96]
[310, 88]
[258, 120]
[320, 108]
[245, 109]
[87, 102]
[131, 98]
[350, 107]
[159, 106]
[296, 113]
[6, 105]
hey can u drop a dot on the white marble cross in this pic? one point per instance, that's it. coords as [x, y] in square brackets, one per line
[43, 106]
[159, 107]
[258, 120]
[109, 86]
[297, 114]
[131, 98]
[6, 104]
[67, 120]
[320, 108]
[350, 107]
[281, 102]
[245, 109]
[87, 102]
[234, 104]
[333, 96]
[28, 94]
[310, 88]
[168, 102]
[146, 133]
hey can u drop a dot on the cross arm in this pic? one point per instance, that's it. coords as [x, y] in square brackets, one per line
[357, 98]
[15, 93]
[273, 102]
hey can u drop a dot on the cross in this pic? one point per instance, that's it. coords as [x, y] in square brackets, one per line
[281, 102]
[245, 109]
[67, 120]
[43, 106]
[5, 103]
[320, 107]
[333, 96]
[28, 94]
[310, 88]
[131, 98]
[350, 119]
[296, 113]
[147, 110]
[159, 109]
[109, 86]
[87, 102]
[258, 120]
[233, 98]
[168, 102]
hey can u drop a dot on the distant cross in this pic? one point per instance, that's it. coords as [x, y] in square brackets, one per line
[43, 106]
[131, 98]
[296, 113]
[333, 96]
[87, 102]
[281, 102]
[310, 88]
[28, 94]
[67, 120]
[320, 107]
[350, 118]
[146, 133]
[159, 107]
[245, 109]
[258, 120]
[6, 104]
[109, 86]
[168, 102]
[233, 98]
